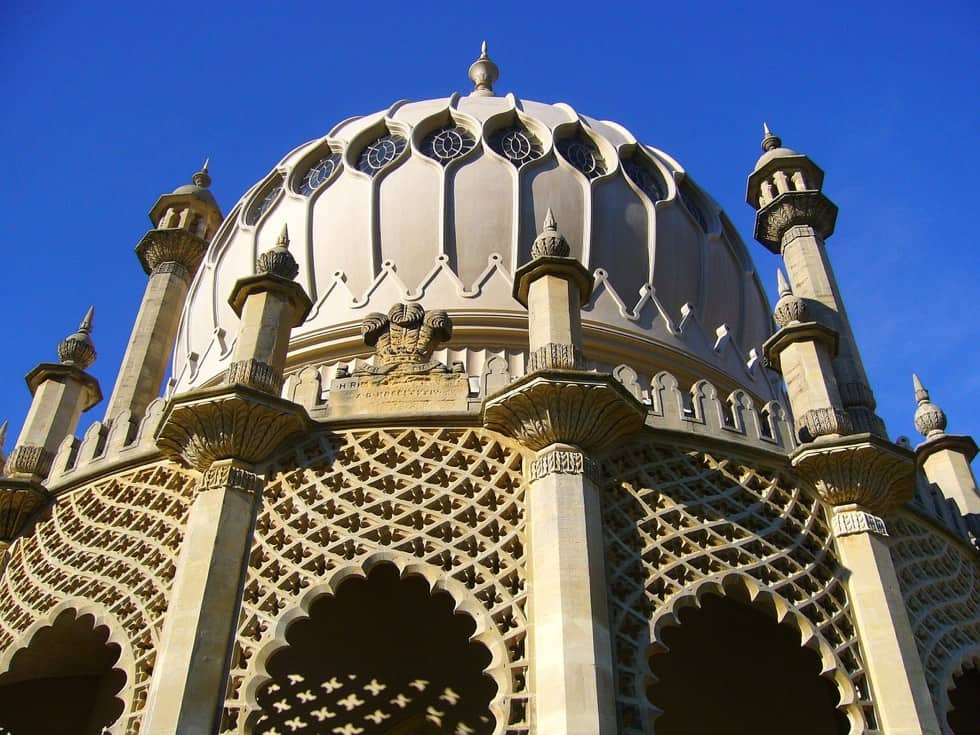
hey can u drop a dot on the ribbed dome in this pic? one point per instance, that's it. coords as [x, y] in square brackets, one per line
[439, 202]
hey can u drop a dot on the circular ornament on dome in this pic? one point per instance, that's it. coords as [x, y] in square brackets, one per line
[583, 155]
[263, 204]
[318, 174]
[448, 143]
[646, 177]
[689, 202]
[379, 153]
[517, 144]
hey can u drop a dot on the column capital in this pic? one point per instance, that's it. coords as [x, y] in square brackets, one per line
[202, 427]
[20, 499]
[588, 410]
[791, 208]
[860, 469]
[560, 459]
[171, 245]
[848, 519]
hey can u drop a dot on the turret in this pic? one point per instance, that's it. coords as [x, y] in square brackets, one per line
[184, 222]
[794, 218]
[945, 458]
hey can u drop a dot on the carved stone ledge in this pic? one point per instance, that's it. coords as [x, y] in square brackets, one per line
[773, 347]
[588, 410]
[959, 443]
[254, 374]
[860, 469]
[174, 267]
[554, 356]
[793, 208]
[553, 265]
[231, 475]
[228, 422]
[564, 462]
[19, 500]
[30, 460]
[171, 246]
[850, 519]
[57, 371]
[824, 422]
[289, 290]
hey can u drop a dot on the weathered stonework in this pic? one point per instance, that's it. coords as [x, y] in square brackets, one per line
[555, 357]
[810, 208]
[29, 460]
[846, 520]
[171, 246]
[561, 462]
[405, 339]
[255, 374]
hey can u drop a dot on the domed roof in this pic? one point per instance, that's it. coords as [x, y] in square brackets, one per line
[439, 202]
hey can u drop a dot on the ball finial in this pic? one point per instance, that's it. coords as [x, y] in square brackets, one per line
[279, 261]
[77, 349]
[769, 140]
[550, 242]
[789, 308]
[483, 73]
[930, 420]
[202, 178]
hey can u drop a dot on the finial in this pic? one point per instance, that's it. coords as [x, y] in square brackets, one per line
[550, 242]
[790, 308]
[769, 141]
[483, 73]
[279, 261]
[202, 178]
[77, 349]
[930, 420]
[3, 434]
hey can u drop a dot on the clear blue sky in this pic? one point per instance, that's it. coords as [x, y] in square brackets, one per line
[106, 106]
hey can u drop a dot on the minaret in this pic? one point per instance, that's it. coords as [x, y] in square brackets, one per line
[945, 458]
[794, 219]
[184, 223]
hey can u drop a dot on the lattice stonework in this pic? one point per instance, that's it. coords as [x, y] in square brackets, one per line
[680, 524]
[446, 504]
[940, 583]
[112, 546]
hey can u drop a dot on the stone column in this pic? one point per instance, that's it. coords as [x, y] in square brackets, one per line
[945, 458]
[565, 416]
[190, 677]
[170, 254]
[860, 477]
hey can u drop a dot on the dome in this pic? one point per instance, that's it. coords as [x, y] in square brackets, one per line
[439, 201]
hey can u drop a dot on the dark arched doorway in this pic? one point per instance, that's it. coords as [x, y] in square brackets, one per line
[731, 669]
[64, 682]
[964, 698]
[383, 656]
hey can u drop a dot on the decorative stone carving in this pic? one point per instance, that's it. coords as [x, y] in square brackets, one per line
[279, 261]
[930, 419]
[790, 308]
[853, 519]
[29, 460]
[19, 500]
[824, 422]
[255, 374]
[233, 422]
[405, 339]
[555, 356]
[227, 474]
[172, 266]
[483, 73]
[860, 469]
[171, 246]
[77, 349]
[550, 241]
[562, 462]
[587, 410]
[792, 208]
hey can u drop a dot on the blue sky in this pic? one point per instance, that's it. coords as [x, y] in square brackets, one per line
[106, 106]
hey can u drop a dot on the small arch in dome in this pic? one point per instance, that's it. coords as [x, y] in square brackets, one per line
[447, 143]
[645, 175]
[318, 173]
[264, 201]
[692, 204]
[380, 152]
[516, 142]
[582, 153]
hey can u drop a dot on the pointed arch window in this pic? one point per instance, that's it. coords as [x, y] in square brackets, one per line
[448, 143]
[380, 152]
[582, 153]
[646, 177]
[319, 173]
[263, 204]
[517, 144]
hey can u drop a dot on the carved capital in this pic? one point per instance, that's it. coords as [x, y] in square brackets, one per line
[19, 500]
[171, 246]
[824, 422]
[850, 519]
[231, 475]
[564, 462]
[228, 422]
[29, 460]
[255, 374]
[860, 469]
[554, 356]
[588, 410]
[793, 208]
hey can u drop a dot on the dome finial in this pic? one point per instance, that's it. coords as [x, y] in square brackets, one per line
[769, 140]
[202, 178]
[550, 243]
[279, 261]
[930, 420]
[283, 241]
[77, 349]
[483, 73]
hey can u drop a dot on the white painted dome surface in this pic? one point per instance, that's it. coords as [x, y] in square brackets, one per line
[673, 278]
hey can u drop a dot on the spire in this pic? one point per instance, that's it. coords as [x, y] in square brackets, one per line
[278, 261]
[790, 308]
[202, 178]
[77, 349]
[930, 420]
[550, 242]
[770, 141]
[782, 284]
[3, 434]
[483, 73]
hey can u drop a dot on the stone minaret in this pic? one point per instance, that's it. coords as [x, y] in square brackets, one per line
[184, 223]
[794, 218]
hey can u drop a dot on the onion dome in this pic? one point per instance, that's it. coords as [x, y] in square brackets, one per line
[199, 188]
[930, 419]
[77, 349]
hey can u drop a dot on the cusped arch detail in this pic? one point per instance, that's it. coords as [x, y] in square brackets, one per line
[744, 588]
[969, 659]
[465, 603]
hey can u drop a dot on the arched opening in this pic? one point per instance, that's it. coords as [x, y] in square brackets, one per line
[383, 656]
[732, 669]
[64, 682]
[964, 700]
